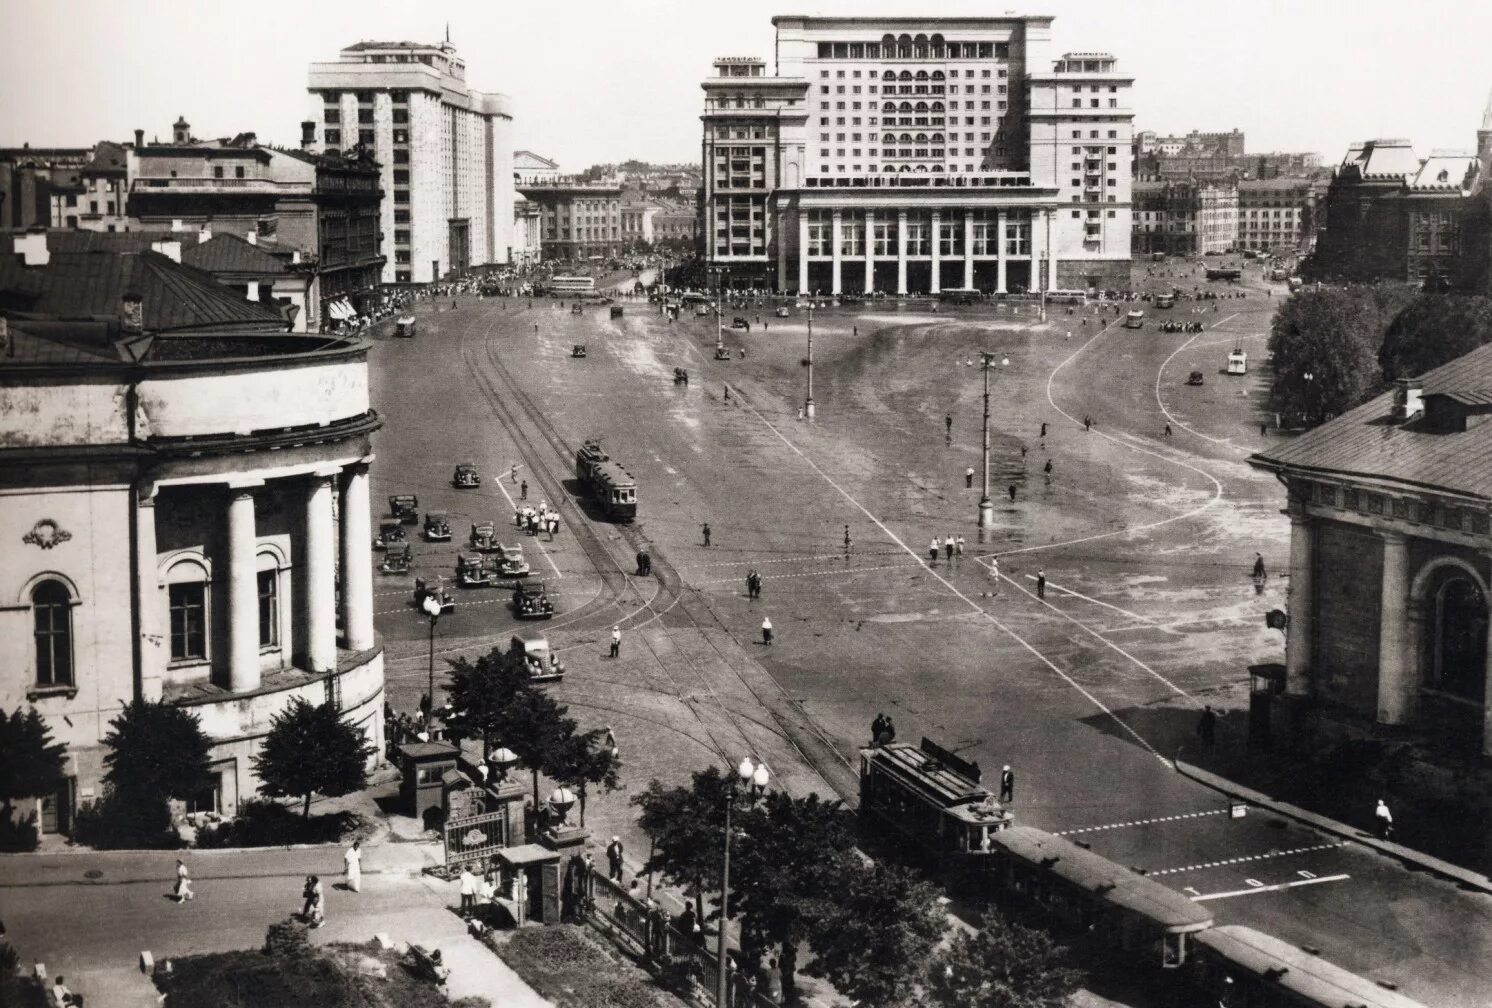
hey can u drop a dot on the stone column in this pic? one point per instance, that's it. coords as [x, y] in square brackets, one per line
[937, 252]
[357, 563]
[901, 252]
[1051, 250]
[1299, 602]
[154, 636]
[1000, 251]
[1394, 681]
[867, 221]
[781, 238]
[802, 252]
[836, 235]
[320, 554]
[243, 589]
[968, 250]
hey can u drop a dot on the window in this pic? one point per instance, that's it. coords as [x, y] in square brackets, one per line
[238, 171]
[269, 608]
[217, 171]
[51, 606]
[334, 138]
[188, 621]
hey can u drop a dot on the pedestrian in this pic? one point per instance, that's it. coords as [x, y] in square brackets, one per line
[994, 576]
[614, 855]
[1041, 584]
[513, 473]
[318, 902]
[1011, 489]
[766, 630]
[1087, 423]
[616, 641]
[751, 584]
[968, 477]
[352, 859]
[948, 545]
[948, 425]
[1023, 454]
[1047, 468]
[1385, 820]
[727, 393]
[960, 546]
[932, 551]
[800, 412]
[846, 538]
[1259, 572]
[523, 490]
[183, 883]
[1043, 430]
[1207, 727]
[469, 887]
[1168, 430]
[307, 896]
[641, 565]
[705, 530]
[1007, 784]
[1264, 430]
[876, 727]
[61, 996]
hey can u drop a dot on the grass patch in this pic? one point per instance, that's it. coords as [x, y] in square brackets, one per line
[328, 976]
[569, 967]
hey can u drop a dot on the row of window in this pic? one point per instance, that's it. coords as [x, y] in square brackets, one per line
[397, 95]
[333, 116]
[905, 47]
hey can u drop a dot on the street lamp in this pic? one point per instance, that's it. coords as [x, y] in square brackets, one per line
[808, 399]
[431, 606]
[987, 506]
[753, 777]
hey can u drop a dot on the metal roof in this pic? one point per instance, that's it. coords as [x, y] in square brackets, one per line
[1297, 971]
[227, 253]
[924, 772]
[1366, 442]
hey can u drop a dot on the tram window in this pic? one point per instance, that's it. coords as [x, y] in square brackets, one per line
[1173, 950]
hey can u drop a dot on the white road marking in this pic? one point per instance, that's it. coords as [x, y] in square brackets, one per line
[1270, 888]
[1250, 858]
[1088, 598]
[512, 504]
[966, 600]
[821, 573]
[1161, 403]
[1142, 822]
[763, 563]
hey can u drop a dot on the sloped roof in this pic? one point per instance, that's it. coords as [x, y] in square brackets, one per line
[535, 160]
[1388, 159]
[226, 253]
[1364, 442]
[1446, 170]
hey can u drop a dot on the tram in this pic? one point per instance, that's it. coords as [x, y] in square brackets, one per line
[563, 285]
[606, 481]
[1243, 968]
[1224, 273]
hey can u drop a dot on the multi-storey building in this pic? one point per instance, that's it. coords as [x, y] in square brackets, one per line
[446, 153]
[1217, 218]
[92, 196]
[528, 231]
[1184, 218]
[917, 154]
[29, 176]
[580, 219]
[1276, 215]
[533, 169]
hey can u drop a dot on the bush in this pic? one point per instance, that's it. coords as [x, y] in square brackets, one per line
[124, 820]
[289, 937]
[264, 823]
[18, 837]
[565, 965]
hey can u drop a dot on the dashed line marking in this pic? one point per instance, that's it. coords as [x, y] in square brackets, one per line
[1250, 858]
[1142, 822]
[1270, 888]
[821, 573]
[763, 563]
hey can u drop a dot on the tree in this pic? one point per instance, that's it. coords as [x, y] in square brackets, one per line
[586, 760]
[31, 764]
[687, 827]
[536, 728]
[312, 750]
[871, 939]
[1434, 330]
[481, 693]
[787, 867]
[156, 750]
[1002, 965]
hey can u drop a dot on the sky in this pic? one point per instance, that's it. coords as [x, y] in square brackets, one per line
[597, 82]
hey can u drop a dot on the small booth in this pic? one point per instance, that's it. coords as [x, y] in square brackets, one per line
[423, 766]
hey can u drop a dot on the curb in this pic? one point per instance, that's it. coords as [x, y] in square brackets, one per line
[1406, 855]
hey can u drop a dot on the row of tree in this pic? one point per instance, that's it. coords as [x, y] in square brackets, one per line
[494, 700]
[875, 931]
[1337, 347]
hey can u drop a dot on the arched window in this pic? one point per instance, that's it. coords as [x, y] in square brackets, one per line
[906, 75]
[937, 106]
[888, 39]
[936, 38]
[889, 75]
[920, 39]
[921, 107]
[52, 611]
[889, 107]
[904, 39]
[937, 75]
[1460, 637]
[937, 138]
[889, 138]
[921, 75]
[906, 138]
[922, 138]
[906, 107]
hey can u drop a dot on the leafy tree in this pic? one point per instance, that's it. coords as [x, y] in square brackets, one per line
[1002, 965]
[31, 764]
[787, 867]
[537, 729]
[481, 693]
[156, 751]
[687, 826]
[1434, 330]
[586, 760]
[312, 750]
[872, 936]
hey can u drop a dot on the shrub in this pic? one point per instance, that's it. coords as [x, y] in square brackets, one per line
[18, 836]
[264, 823]
[289, 937]
[126, 820]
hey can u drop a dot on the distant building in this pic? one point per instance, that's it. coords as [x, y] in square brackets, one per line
[1276, 215]
[29, 176]
[528, 231]
[445, 149]
[579, 219]
[533, 169]
[1184, 217]
[186, 510]
[1216, 157]
[93, 196]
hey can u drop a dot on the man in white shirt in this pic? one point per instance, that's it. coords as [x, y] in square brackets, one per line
[352, 858]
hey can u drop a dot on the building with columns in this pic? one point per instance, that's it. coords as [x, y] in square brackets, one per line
[914, 155]
[185, 511]
[1391, 532]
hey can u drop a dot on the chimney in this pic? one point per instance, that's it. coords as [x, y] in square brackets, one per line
[204, 233]
[132, 313]
[32, 247]
[1408, 399]
[170, 248]
[139, 139]
[252, 237]
[295, 257]
[307, 134]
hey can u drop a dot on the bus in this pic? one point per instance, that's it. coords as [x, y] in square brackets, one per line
[1067, 296]
[571, 285]
[1224, 273]
[1134, 320]
[1165, 300]
[960, 296]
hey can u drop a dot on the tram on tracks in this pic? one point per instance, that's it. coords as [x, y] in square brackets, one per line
[606, 482]
[932, 804]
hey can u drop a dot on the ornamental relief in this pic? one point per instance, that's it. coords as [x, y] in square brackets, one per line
[46, 534]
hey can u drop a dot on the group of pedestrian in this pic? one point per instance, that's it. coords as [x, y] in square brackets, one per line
[882, 730]
[952, 546]
[753, 584]
[644, 563]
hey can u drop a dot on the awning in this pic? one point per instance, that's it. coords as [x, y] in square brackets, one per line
[340, 309]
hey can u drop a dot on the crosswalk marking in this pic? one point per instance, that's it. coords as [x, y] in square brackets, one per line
[1142, 822]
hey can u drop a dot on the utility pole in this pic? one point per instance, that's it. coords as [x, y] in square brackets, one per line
[987, 506]
[808, 401]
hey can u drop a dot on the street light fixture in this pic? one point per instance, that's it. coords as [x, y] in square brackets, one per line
[431, 607]
[987, 506]
[754, 777]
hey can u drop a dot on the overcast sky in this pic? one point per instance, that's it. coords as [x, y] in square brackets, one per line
[597, 82]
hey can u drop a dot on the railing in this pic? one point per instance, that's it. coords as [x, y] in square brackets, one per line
[270, 186]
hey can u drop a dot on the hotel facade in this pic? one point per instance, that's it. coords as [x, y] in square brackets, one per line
[914, 155]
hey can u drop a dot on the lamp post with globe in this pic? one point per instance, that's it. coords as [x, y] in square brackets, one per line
[986, 506]
[753, 778]
[431, 606]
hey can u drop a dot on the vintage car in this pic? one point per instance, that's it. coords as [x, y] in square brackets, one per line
[721, 353]
[483, 537]
[1195, 378]
[578, 350]
[575, 309]
[616, 311]
[390, 534]
[435, 588]
[405, 326]
[510, 561]
[704, 311]
[532, 650]
[467, 477]
[680, 376]
[531, 602]
[782, 312]
[396, 558]
[473, 570]
[739, 323]
[405, 508]
[437, 527]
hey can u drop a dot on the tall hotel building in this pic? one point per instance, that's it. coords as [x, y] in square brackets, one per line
[446, 153]
[913, 155]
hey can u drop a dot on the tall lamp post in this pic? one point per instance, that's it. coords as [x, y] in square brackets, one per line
[431, 607]
[987, 506]
[754, 778]
[808, 399]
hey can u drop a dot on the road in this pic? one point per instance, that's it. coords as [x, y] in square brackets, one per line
[1145, 541]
